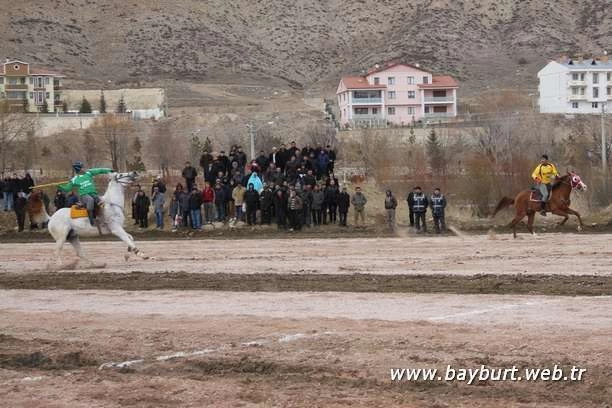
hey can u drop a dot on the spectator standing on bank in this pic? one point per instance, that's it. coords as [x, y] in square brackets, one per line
[331, 202]
[359, 201]
[238, 196]
[159, 199]
[159, 184]
[142, 209]
[195, 205]
[220, 201]
[318, 203]
[390, 206]
[208, 202]
[280, 207]
[189, 174]
[410, 201]
[20, 204]
[438, 204]
[251, 200]
[344, 202]
[419, 208]
[295, 206]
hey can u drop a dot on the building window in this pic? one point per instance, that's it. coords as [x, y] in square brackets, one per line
[1, 80]
[411, 94]
[411, 110]
[595, 78]
[582, 76]
[425, 80]
[575, 76]
[46, 80]
[361, 111]
[575, 105]
[31, 95]
[391, 80]
[391, 94]
[594, 105]
[410, 80]
[47, 95]
[374, 111]
[609, 76]
[574, 91]
[391, 110]
[609, 91]
[376, 81]
[595, 92]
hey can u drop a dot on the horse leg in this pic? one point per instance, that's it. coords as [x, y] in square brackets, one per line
[561, 213]
[76, 244]
[530, 218]
[58, 251]
[573, 212]
[515, 221]
[120, 233]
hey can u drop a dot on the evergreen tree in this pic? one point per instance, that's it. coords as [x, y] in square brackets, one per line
[85, 106]
[102, 103]
[121, 108]
[434, 152]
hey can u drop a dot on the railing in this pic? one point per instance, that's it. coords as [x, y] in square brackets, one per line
[367, 100]
[366, 117]
[16, 87]
[576, 82]
[431, 115]
[446, 99]
[576, 97]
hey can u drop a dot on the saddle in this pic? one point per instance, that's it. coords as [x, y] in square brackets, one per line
[79, 210]
[536, 196]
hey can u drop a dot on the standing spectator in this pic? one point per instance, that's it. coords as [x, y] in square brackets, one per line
[332, 158]
[419, 207]
[267, 204]
[344, 202]
[184, 206]
[159, 184]
[331, 202]
[224, 162]
[291, 170]
[262, 161]
[241, 158]
[280, 208]
[142, 209]
[322, 164]
[293, 150]
[205, 161]
[2, 186]
[283, 157]
[318, 203]
[208, 201]
[195, 204]
[251, 199]
[189, 174]
[159, 199]
[60, 200]
[295, 206]
[27, 184]
[410, 201]
[359, 201]
[134, 197]
[220, 199]
[14, 186]
[20, 209]
[309, 179]
[174, 211]
[238, 196]
[390, 206]
[438, 204]
[274, 158]
[307, 205]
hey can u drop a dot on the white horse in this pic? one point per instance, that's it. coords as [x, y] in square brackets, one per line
[64, 228]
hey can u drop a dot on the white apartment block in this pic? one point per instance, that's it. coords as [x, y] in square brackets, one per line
[575, 85]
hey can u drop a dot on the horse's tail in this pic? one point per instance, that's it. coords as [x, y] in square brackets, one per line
[503, 203]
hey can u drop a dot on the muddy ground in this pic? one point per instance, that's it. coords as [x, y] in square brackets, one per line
[308, 322]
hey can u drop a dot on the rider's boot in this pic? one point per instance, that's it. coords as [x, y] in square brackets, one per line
[90, 215]
[543, 210]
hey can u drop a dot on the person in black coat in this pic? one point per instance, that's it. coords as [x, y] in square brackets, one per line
[189, 174]
[267, 204]
[141, 206]
[159, 184]
[331, 202]
[262, 161]
[205, 160]
[20, 209]
[419, 207]
[280, 207]
[344, 202]
[251, 199]
[410, 200]
[220, 200]
[27, 183]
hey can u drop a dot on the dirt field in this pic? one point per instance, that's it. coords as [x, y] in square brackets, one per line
[307, 322]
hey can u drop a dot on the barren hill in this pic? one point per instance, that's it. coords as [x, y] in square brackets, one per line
[305, 44]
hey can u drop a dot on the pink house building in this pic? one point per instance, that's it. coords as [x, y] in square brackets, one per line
[396, 93]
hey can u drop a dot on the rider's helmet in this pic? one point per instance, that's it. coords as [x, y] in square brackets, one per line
[77, 166]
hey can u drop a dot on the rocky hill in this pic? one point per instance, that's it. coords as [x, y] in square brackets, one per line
[305, 44]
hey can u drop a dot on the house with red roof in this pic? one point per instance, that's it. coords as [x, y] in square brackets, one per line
[22, 85]
[396, 93]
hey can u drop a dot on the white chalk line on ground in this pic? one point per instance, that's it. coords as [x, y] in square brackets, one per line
[505, 307]
[184, 354]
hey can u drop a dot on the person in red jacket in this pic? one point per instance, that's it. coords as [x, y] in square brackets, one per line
[208, 200]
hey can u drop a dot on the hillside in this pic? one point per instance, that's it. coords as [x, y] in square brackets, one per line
[484, 43]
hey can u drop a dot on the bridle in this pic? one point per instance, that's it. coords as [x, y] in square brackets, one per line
[573, 185]
[124, 183]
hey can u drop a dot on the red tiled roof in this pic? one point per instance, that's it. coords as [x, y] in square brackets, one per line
[443, 81]
[359, 82]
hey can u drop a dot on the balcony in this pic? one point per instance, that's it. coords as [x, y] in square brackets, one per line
[574, 82]
[16, 87]
[367, 101]
[577, 98]
[366, 117]
[435, 115]
[439, 99]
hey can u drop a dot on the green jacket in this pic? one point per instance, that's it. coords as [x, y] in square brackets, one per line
[84, 182]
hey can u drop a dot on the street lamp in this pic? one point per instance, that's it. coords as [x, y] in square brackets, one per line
[252, 131]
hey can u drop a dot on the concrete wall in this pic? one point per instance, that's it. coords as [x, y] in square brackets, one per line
[135, 99]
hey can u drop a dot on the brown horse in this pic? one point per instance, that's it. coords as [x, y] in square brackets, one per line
[558, 203]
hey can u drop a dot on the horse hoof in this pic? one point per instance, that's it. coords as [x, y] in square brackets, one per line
[126, 257]
[145, 257]
[579, 228]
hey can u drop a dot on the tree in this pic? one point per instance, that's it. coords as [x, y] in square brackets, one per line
[121, 107]
[44, 108]
[85, 106]
[435, 152]
[14, 127]
[114, 131]
[411, 135]
[137, 164]
[89, 147]
[102, 102]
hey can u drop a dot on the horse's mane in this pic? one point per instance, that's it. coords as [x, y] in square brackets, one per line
[558, 184]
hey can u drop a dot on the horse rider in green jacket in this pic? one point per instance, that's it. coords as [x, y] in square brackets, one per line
[86, 187]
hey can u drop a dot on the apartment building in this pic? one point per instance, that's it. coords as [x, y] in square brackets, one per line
[575, 85]
[24, 86]
[396, 93]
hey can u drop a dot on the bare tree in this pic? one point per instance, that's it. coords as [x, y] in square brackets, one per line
[321, 135]
[115, 131]
[14, 127]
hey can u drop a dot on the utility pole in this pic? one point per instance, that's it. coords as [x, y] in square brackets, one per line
[251, 127]
[604, 159]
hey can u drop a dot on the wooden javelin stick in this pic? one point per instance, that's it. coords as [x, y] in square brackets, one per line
[49, 184]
